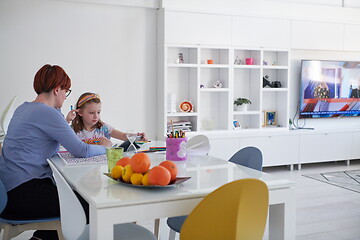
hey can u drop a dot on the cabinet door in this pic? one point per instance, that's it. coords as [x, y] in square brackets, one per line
[263, 32]
[224, 148]
[355, 149]
[323, 147]
[317, 35]
[195, 28]
[351, 37]
[276, 150]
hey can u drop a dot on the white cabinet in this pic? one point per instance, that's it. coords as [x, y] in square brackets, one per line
[211, 78]
[355, 148]
[351, 37]
[261, 32]
[224, 148]
[276, 149]
[191, 28]
[317, 35]
[321, 147]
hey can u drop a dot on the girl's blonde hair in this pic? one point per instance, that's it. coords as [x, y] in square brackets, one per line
[88, 97]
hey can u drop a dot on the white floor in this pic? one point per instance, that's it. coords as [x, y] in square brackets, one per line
[324, 211]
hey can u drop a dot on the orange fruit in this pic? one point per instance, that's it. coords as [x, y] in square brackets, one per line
[117, 172]
[136, 178]
[127, 172]
[145, 180]
[123, 161]
[140, 162]
[159, 176]
[171, 166]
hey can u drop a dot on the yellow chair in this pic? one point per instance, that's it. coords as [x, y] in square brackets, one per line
[237, 210]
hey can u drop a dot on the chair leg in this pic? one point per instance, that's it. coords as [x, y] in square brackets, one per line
[156, 228]
[6, 232]
[172, 234]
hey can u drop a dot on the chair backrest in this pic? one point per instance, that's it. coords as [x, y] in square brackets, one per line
[73, 219]
[7, 115]
[3, 197]
[198, 145]
[249, 157]
[237, 210]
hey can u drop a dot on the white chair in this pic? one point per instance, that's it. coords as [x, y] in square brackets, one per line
[73, 219]
[7, 115]
[198, 145]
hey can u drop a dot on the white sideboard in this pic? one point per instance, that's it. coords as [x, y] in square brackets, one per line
[291, 148]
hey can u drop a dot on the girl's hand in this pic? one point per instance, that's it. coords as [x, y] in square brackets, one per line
[71, 115]
[143, 137]
[105, 142]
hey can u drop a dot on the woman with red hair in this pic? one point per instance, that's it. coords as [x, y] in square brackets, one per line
[35, 133]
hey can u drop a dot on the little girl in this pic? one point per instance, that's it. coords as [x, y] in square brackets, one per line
[87, 124]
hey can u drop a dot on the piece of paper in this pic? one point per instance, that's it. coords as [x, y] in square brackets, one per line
[70, 159]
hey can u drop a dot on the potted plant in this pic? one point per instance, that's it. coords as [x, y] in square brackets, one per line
[241, 104]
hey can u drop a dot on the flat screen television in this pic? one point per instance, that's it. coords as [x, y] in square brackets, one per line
[329, 89]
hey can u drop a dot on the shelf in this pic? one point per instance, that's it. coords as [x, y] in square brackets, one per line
[275, 89]
[275, 67]
[247, 66]
[182, 65]
[182, 114]
[214, 65]
[214, 90]
[246, 112]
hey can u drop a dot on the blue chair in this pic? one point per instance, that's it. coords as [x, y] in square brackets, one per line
[250, 157]
[12, 228]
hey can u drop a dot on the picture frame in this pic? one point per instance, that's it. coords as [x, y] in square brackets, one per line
[236, 124]
[270, 118]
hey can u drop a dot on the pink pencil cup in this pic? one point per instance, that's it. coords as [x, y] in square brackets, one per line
[176, 149]
[249, 61]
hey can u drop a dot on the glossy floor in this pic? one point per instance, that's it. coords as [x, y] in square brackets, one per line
[324, 211]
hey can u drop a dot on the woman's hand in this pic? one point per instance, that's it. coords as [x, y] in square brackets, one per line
[71, 115]
[105, 142]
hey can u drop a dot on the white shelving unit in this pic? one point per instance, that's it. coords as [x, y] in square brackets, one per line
[192, 79]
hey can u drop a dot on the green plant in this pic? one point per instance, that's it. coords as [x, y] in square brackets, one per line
[241, 101]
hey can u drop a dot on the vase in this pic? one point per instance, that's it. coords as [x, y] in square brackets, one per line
[241, 108]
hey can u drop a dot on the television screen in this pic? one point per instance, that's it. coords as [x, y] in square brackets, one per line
[329, 89]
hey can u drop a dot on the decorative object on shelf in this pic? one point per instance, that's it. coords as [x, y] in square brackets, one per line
[218, 84]
[249, 61]
[270, 118]
[171, 103]
[186, 106]
[180, 59]
[265, 62]
[274, 63]
[236, 124]
[276, 84]
[237, 60]
[202, 86]
[210, 61]
[241, 104]
[266, 81]
[207, 124]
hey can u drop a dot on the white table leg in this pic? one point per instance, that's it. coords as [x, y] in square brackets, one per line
[100, 227]
[282, 218]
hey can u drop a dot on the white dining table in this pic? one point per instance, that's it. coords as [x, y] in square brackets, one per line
[112, 202]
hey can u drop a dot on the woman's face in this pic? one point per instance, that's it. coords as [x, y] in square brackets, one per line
[61, 96]
[90, 113]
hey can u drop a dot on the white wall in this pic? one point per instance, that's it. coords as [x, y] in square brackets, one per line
[107, 49]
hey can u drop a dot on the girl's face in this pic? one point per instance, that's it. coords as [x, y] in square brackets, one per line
[90, 113]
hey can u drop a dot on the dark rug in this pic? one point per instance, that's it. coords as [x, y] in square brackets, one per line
[345, 179]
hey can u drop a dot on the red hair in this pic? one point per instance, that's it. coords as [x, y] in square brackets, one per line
[49, 77]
